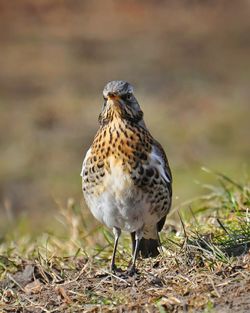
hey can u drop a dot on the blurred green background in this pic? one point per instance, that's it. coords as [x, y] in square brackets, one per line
[189, 62]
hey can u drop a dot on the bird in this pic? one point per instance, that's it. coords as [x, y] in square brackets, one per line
[126, 177]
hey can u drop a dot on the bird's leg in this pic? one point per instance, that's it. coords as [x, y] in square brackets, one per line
[117, 233]
[138, 237]
[133, 242]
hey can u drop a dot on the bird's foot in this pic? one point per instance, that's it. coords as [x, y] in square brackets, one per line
[115, 270]
[132, 271]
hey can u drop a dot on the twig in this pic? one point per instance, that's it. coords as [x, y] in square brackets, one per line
[215, 289]
[117, 277]
[77, 277]
[15, 282]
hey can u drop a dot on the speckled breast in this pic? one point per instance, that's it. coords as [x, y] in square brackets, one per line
[121, 177]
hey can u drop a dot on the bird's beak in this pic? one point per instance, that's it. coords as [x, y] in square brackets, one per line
[113, 96]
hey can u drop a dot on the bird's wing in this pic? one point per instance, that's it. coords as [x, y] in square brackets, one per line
[159, 155]
[161, 158]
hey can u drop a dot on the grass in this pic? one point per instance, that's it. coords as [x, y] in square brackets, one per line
[204, 265]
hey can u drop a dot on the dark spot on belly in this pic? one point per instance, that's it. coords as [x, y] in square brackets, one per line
[143, 156]
[141, 170]
[165, 203]
[151, 184]
[144, 180]
[100, 164]
[149, 172]
[108, 150]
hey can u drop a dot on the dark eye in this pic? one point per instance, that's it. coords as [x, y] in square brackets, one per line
[129, 96]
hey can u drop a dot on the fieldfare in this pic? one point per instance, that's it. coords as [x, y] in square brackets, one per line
[126, 179]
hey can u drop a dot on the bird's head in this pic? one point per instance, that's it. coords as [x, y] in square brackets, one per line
[120, 102]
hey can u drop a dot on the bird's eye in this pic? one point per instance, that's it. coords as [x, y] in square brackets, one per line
[129, 96]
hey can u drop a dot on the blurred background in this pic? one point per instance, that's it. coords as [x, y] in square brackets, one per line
[189, 62]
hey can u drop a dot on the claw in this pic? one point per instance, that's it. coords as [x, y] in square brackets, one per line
[132, 271]
[114, 269]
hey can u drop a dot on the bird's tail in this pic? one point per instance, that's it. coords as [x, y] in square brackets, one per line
[147, 247]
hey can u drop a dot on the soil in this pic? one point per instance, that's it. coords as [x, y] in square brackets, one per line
[82, 286]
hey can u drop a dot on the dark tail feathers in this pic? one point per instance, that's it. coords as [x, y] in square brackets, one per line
[148, 248]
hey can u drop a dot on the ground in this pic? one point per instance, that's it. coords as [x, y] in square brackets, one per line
[163, 285]
[204, 265]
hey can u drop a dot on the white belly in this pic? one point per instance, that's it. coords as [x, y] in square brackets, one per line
[119, 204]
